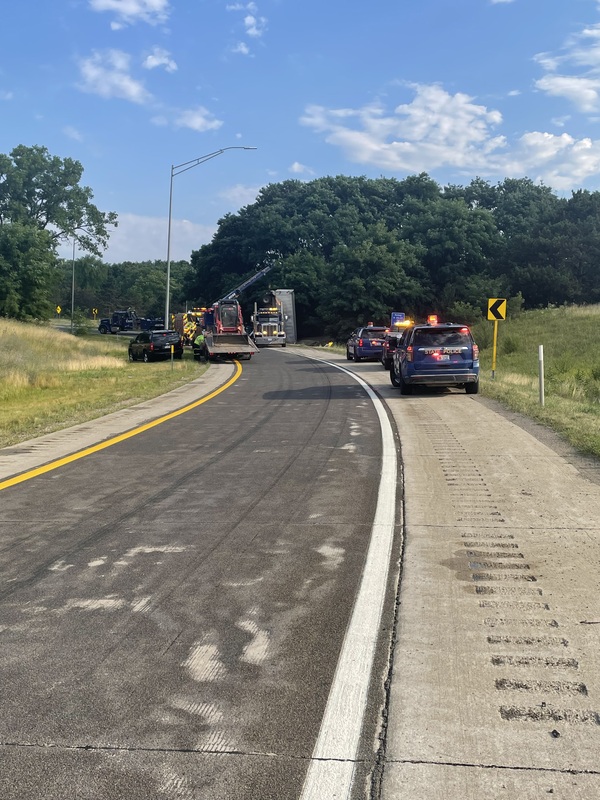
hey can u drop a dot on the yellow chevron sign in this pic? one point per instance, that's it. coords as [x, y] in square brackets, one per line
[496, 308]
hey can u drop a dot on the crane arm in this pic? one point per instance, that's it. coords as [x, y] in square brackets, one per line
[238, 289]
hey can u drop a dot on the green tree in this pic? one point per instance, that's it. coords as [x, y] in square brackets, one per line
[27, 272]
[43, 190]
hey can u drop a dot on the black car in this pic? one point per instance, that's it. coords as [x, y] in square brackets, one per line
[365, 343]
[436, 355]
[152, 345]
[389, 347]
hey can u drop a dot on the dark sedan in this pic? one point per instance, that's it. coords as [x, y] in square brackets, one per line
[365, 343]
[153, 345]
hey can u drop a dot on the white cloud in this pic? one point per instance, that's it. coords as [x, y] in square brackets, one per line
[442, 131]
[107, 74]
[5, 95]
[139, 238]
[240, 195]
[255, 26]
[495, 2]
[160, 58]
[128, 12]
[300, 169]
[579, 63]
[198, 119]
[435, 129]
[242, 48]
[72, 133]
[584, 93]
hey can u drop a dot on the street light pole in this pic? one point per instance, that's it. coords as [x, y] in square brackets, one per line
[177, 169]
[73, 285]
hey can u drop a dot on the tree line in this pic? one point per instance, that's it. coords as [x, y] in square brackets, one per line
[353, 248]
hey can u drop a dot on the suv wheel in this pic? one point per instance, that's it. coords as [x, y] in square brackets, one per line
[131, 358]
[355, 356]
[146, 357]
[472, 388]
[394, 377]
[348, 356]
[405, 388]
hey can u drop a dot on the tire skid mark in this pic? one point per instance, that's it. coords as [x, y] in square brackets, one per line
[535, 661]
[494, 558]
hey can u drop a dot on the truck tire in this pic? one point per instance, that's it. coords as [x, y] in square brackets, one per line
[146, 357]
[102, 329]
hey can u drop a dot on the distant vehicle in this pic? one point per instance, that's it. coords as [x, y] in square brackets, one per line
[128, 320]
[436, 355]
[365, 343]
[391, 340]
[153, 345]
[268, 322]
[390, 343]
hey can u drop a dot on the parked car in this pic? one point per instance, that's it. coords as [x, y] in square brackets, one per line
[436, 355]
[390, 343]
[365, 343]
[152, 345]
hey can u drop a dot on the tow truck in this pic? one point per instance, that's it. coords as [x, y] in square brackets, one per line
[224, 332]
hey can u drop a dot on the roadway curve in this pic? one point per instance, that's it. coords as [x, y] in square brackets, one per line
[172, 606]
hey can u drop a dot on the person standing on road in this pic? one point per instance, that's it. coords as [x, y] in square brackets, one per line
[200, 345]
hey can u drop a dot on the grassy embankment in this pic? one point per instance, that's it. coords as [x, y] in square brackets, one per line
[570, 336]
[51, 379]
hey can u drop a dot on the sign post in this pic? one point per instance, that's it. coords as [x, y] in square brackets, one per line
[496, 311]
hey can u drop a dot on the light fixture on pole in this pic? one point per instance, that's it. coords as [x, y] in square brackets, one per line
[177, 169]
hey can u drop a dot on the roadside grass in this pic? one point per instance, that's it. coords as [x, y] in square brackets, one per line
[570, 337]
[50, 379]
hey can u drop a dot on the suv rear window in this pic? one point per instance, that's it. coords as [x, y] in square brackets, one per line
[166, 335]
[372, 333]
[438, 337]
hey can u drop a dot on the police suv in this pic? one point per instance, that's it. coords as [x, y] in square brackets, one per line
[436, 354]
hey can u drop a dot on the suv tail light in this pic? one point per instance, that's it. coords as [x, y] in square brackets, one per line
[151, 345]
[360, 342]
[409, 353]
[475, 352]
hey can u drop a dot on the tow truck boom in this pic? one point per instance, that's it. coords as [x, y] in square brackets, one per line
[239, 289]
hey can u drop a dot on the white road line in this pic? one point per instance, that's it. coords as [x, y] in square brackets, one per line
[331, 771]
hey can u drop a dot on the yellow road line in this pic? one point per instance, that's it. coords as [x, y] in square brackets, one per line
[33, 473]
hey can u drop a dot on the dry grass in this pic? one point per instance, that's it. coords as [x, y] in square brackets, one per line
[50, 379]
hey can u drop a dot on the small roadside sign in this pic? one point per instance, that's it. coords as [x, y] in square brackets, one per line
[496, 312]
[58, 310]
[496, 308]
[398, 318]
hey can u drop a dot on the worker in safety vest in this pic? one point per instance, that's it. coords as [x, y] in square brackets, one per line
[200, 351]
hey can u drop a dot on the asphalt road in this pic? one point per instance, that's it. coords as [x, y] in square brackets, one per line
[172, 606]
[177, 609]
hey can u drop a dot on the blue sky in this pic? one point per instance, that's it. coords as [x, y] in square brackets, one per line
[454, 88]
